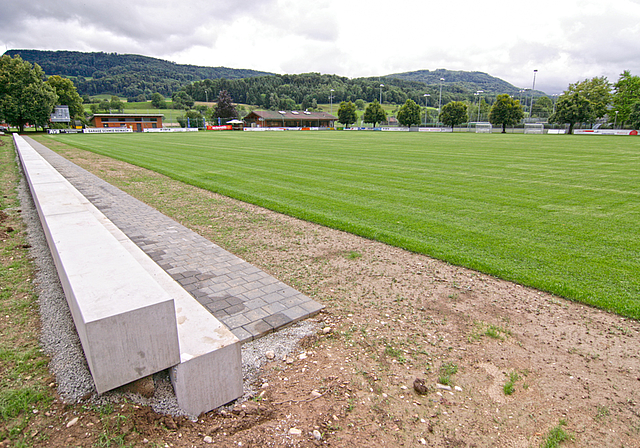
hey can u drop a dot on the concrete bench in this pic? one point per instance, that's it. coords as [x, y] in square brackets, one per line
[133, 319]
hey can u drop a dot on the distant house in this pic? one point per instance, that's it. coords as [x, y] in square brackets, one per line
[137, 122]
[289, 119]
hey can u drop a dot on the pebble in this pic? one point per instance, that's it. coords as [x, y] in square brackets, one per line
[270, 354]
[208, 439]
[458, 388]
[302, 356]
[315, 393]
[295, 431]
[317, 435]
[72, 422]
[326, 330]
[288, 360]
[443, 387]
[423, 441]
[264, 385]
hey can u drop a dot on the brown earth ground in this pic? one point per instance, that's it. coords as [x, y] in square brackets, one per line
[395, 316]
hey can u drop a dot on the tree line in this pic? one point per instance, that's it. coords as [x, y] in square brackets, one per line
[28, 96]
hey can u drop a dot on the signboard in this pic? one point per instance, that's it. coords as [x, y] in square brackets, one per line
[219, 128]
[106, 130]
[170, 130]
[64, 131]
[605, 132]
[60, 115]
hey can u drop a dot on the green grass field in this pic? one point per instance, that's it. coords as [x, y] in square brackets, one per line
[559, 213]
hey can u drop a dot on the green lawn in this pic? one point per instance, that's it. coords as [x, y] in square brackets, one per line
[559, 213]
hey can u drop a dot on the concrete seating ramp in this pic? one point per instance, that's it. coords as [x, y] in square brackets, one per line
[132, 318]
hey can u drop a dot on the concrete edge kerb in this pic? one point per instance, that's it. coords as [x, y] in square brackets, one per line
[149, 322]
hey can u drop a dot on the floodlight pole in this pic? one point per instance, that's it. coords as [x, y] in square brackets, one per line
[381, 86]
[426, 107]
[615, 123]
[533, 87]
[331, 99]
[440, 99]
[478, 93]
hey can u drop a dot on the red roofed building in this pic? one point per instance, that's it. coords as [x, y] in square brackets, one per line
[289, 119]
[137, 122]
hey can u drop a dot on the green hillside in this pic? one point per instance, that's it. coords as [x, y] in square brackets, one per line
[127, 75]
[472, 81]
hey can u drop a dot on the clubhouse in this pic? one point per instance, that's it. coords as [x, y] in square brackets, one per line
[289, 119]
[137, 122]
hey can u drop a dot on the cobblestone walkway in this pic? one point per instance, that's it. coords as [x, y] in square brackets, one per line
[250, 302]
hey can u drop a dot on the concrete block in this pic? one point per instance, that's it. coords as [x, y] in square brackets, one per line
[126, 322]
[209, 374]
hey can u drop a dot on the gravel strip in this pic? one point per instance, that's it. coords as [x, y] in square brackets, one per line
[60, 340]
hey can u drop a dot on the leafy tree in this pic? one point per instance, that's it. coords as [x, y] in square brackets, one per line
[182, 100]
[116, 103]
[225, 109]
[542, 107]
[67, 95]
[634, 116]
[626, 94]
[453, 114]
[598, 91]
[360, 104]
[506, 111]
[24, 96]
[347, 113]
[374, 113]
[572, 107]
[409, 113]
[157, 101]
[104, 106]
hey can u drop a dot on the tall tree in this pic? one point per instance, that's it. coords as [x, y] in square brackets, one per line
[225, 109]
[571, 108]
[182, 100]
[347, 113]
[634, 116]
[626, 93]
[116, 103]
[24, 96]
[157, 101]
[506, 111]
[409, 113]
[67, 95]
[453, 114]
[374, 113]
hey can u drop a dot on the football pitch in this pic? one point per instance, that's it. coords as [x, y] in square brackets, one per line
[559, 213]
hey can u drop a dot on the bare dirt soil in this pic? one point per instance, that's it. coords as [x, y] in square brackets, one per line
[502, 365]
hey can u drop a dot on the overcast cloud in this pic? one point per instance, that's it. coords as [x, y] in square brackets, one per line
[565, 40]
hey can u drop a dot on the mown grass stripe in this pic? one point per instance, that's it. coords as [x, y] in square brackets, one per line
[558, 213]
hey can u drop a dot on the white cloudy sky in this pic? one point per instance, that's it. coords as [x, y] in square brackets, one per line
[565, 40]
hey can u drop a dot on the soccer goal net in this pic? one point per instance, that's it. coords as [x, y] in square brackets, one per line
[534, 128]
[483, 128]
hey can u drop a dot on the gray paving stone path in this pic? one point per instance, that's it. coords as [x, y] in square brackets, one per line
[250, 302]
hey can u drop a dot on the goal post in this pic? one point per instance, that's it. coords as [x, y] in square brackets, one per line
[484, 128]
[534, 128]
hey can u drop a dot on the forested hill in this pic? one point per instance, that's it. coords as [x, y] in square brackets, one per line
[135, 76]
[127, 75]
[472, 81]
